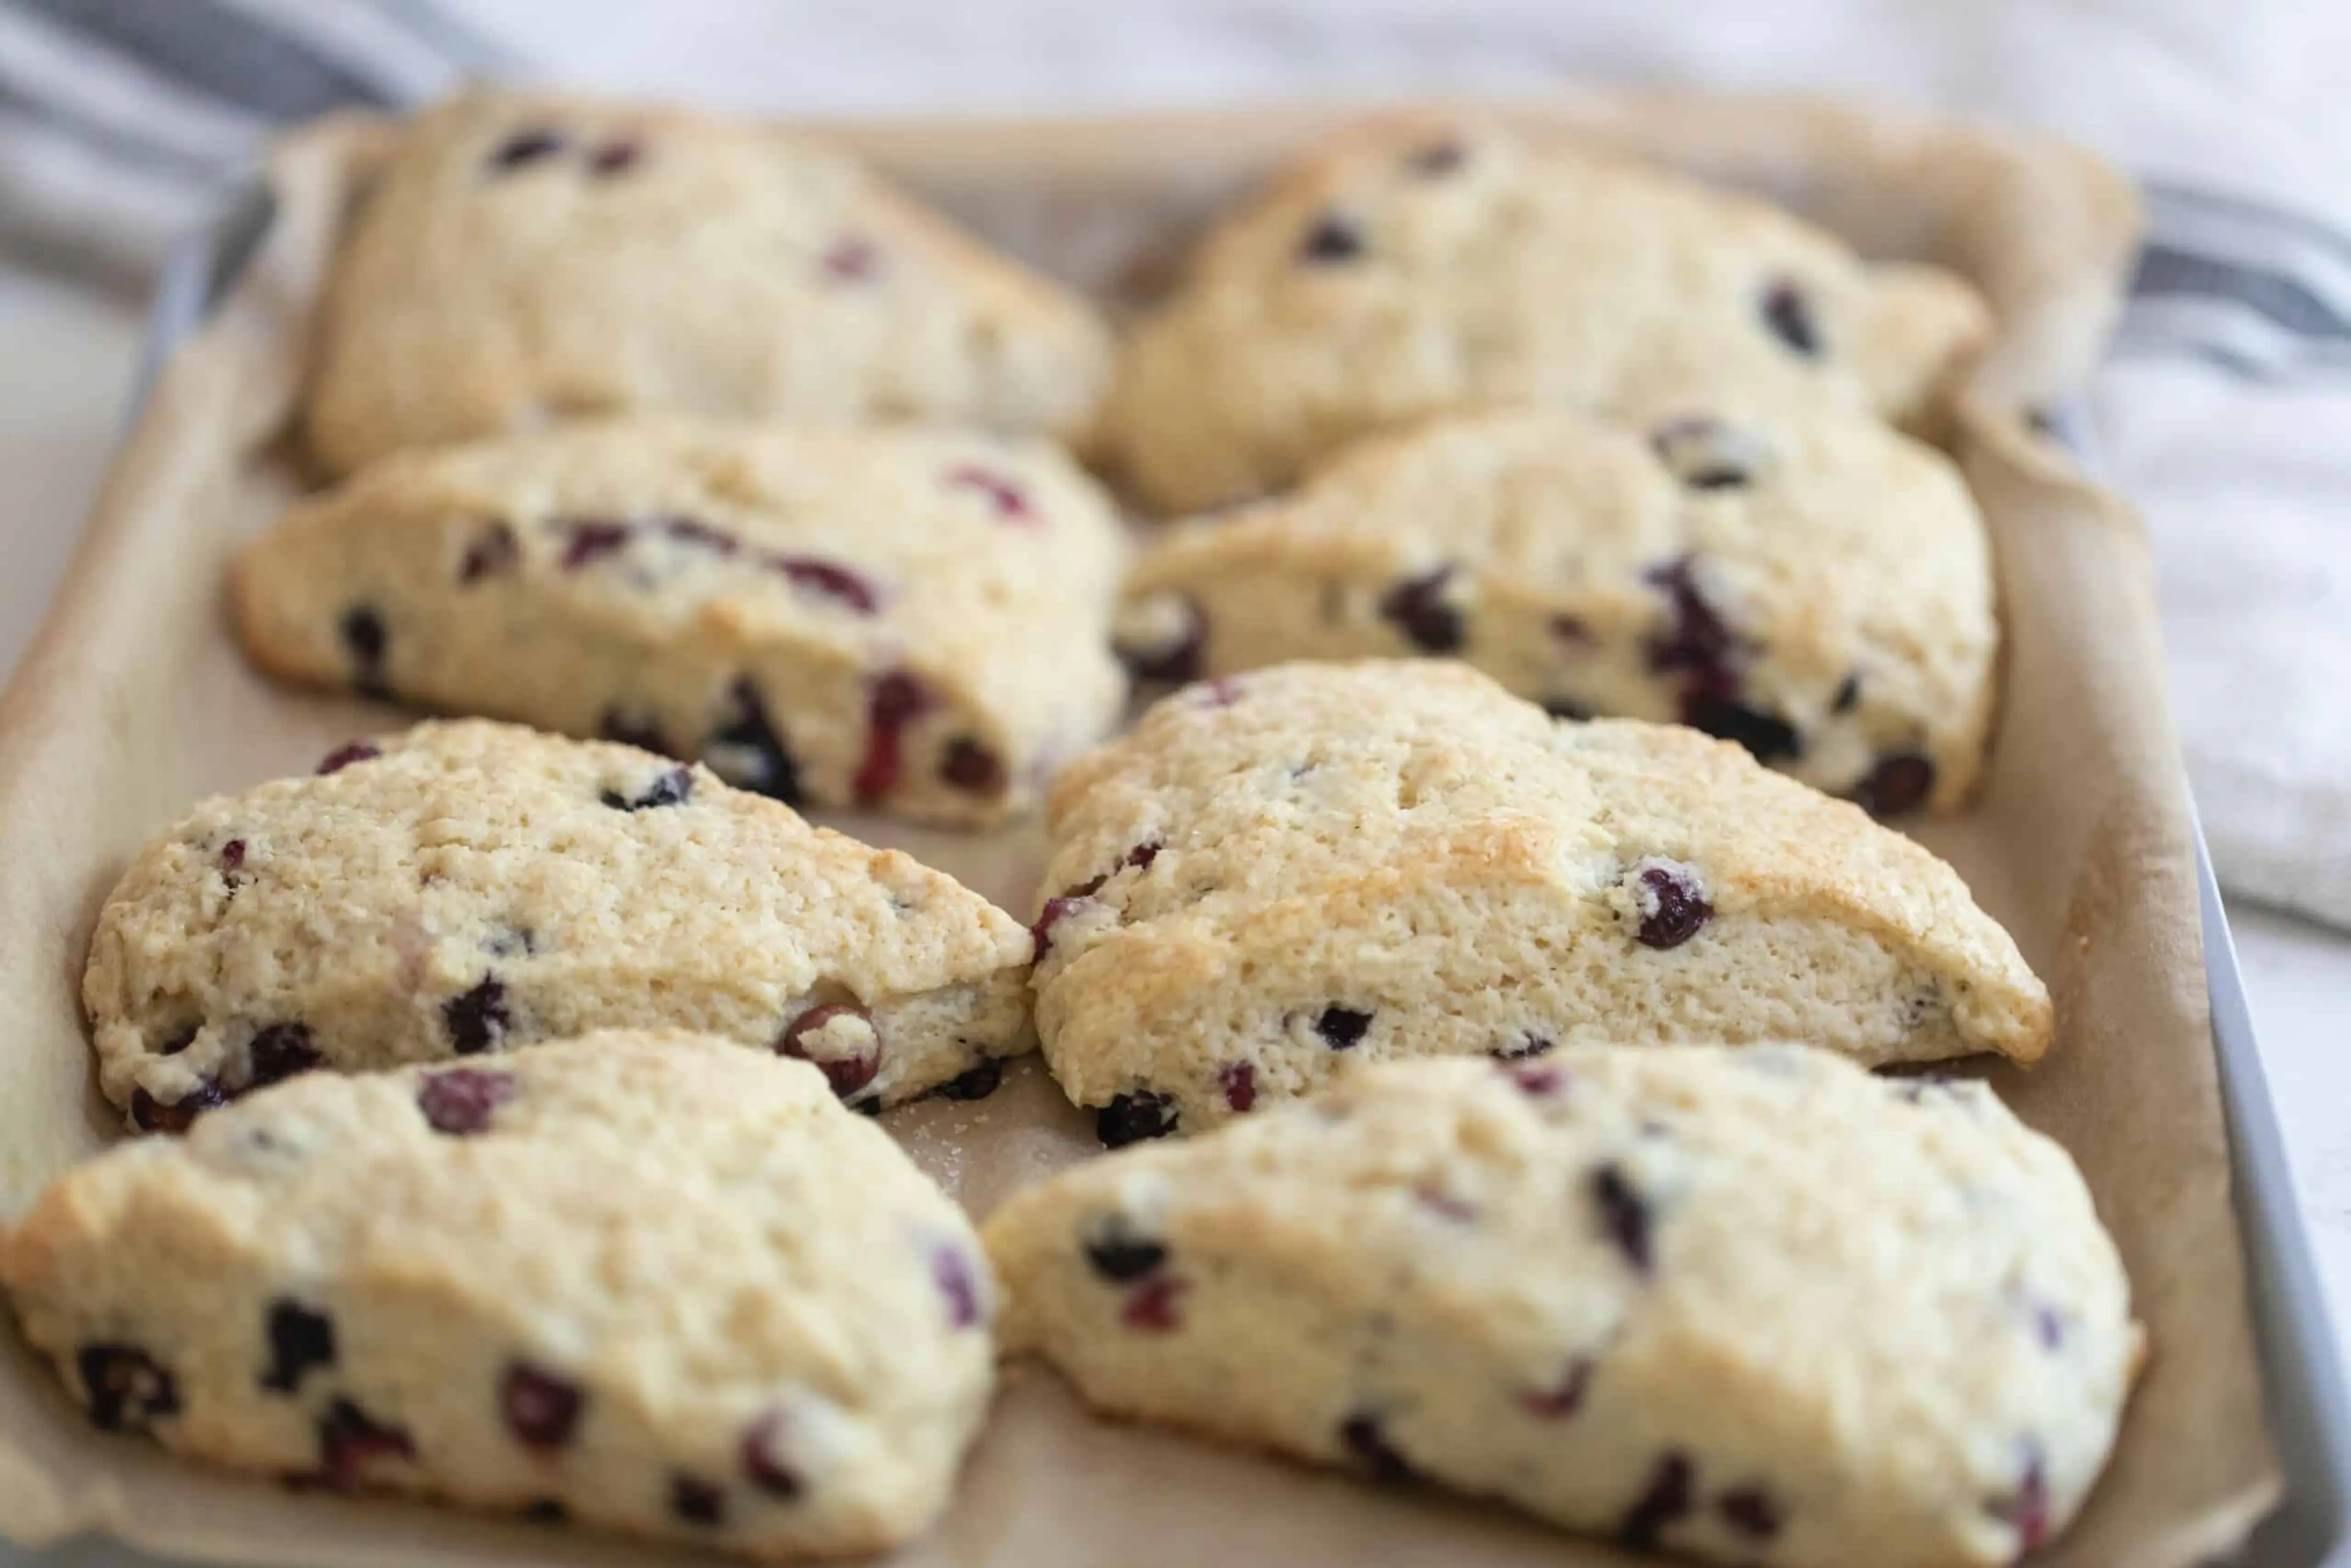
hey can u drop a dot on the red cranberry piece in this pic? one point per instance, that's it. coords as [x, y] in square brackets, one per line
[299, 1339]
[541, 1409]
[462, 1101]
[1440, 1202]
[826, 580]
[1141, 856]
[1333, 239]
[1563, 1398]
[150, 1114]
[362, 631]
[694, 531]
[974, 1083]
[529, 145]
[1418, 608]
[852, 258]
[1238, 1081]
[591, 540]
[1056, 910]
[1119, 1254]
[180, 1041]
[1539, 1079]
[494, 550]
[766, 1457]
[1151, 1307]
[847, 1074]
[1848, 694]
[951, 1273]
[1766, 736]
[972, 766]
[1898, 783]
[1171, 653]
[1789, 314]
[616, 157]
[349, 1440]
[1367, 1441]
[1752, 1512]
[696, 1501]
[479, 1019]
[641, 733]
[231, 857]
[278, 1052]
[1624, 1213]
[2026, 1510]
[898, 699]
[1134, 1116]
[1437, 159]
[673, 788]
[1674, 906]
[342, 756]
[1009, 499]
[128, 1388]
[1665, 1502]
[744, 748]
[1341, 1028]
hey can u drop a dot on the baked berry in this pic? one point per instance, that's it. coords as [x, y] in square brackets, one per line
[1539, 1079]
[362, 631]
[1672, 901]
[541, 1409]
[1624, 1213]
[766, 1457]
[1134, 1116]
[971, 766]
[2026, 1510]
[744, 748]
[461, 1101]
[1574, 630]
[1530, 1044]
[343, 756]
[847, 1074]
[1563, 1398]
[704, 536]
[529, 145]
[673, 788]
[1666, 1501]
[1766, 736]
[614, 157]
[852, 258]
[826, 580]
[591, 539]
[1151, 1308]
[127, 1388]
[1333, 239]
[951, 1273]
[277, 1053]
[1364, 1436]
[1898, 783]
[181, 1039]
[974, 1083]
[696, 1501]
[1751, 1511]
[1848, 694]
[231, 857]
[1009, 499]
[897, 700]
[150, 1114]
[1341, 1028]
[1696, 639]
[1437, 159]
[478, 1020]
[1118, 1253]
[1420, 611]
[299, 1339]
[1162, 638]
[350, 1440]
[494, 550]
[1056, 910]
[1789, 313]
[1238, 1081]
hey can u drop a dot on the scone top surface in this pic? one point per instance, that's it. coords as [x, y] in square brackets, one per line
[1420, 266]
[524, 257]
[467, 886]
[1805, 581]
[910, 620]
[1280, 871]
[655, 1279]
[1749, 1304]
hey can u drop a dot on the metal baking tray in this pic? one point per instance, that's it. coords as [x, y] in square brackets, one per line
[2301, 1366]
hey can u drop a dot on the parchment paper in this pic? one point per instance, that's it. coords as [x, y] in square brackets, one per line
[134, 703]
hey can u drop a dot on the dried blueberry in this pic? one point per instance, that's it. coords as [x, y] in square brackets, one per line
[1331, 239]
[1008, 499]
[494, 549]
[1696, 639]
[826, 580]
[696, 1501]
[1540, 1079]
[150, 1114]
[342, 756]
[180, 1040]
[1898, 783]
[1766, 736]
[478, 1020]
[765, 1457]
[277, 1053]
[1119, 1253]
[528, 145]
[951, 1273]
[1789, 314]
[897, 700]
[744, 748]
[461, 1101]
[1141, 856]
[591, 540]
[694, 531]
[362, 631]
[1238, 1081]
[971, 766]
[1673, 902]
[1563, 1398]
[1848, 694]
[1420, 611]
[299, 1339]
[349, 1440]
[1624, 1213]
[231, 857]
[1666, 1501]
[616, 157]
[1366, 1438]
[673, 788]
[847, 1074]
[976, 1082]
[541, 1409]
[1151, 1307]
[1751, 1511]
[1341, 1028]
[127, 1388]
[1134, 1116]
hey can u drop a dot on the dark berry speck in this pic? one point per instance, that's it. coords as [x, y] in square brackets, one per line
[1789, 314]
[673, 788]
[826, 579]
[342, 756]
[696, 1501]
[766, 1457]
[591, 540]
[976, 1082]
[1563, 1398]
[1848, 694]
[2026, 1510]
[745, 750]
[1238, 1081]
[1666, 1501]
[150, 1114]
[461, 1101]
[362, 631]
[529, 145]
[1151, 1307]
[852, 259]
[1898, 783]
[1624, 1213]
[541, 1409]
[1766, 736]
[1751, 1511]
[614, 158]
[1674, 907]
[478, 1020]
[494, 550]
[1341, 1028]
[1367, 1441]
[299, 1339]
[896, 701]
[1420, 611]
[349, 1440]
[1437, 158]
[278, 1052]
[1331, 239]
[847, 1074]
[1010, 501]
[127, 1388]
[1118, 1252]
[951, 1273]
[1134, 1116]
[1176, 658]
[972, 768]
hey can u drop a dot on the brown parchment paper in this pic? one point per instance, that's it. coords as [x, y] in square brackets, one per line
[133, 703]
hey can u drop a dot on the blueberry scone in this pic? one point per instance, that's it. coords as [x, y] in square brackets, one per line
[468, 887]
[1419, 267]
[524, 259]
[1753, 1305]
[647, 1281]
[1278, 873]
[1813, 585]
[907, 621]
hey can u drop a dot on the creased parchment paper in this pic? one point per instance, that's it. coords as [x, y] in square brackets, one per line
[134, 703]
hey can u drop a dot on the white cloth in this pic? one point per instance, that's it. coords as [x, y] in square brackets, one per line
[2225, 414]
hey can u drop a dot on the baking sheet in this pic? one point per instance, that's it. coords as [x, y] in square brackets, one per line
[2081, 846]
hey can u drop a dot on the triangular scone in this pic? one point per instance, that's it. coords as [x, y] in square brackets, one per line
[1752, 1305]
[1281, 873]
[468, 887]
[1807, 582]
[523, 258]
[645, 1281]
[1415, 268]
[909, 622]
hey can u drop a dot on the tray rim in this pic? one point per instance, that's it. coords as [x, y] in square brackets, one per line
[2300, 1351]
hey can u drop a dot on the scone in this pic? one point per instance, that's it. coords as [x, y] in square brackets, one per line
[647, 1281]
[524, 259]
[1278, 873]
[1752, 1305]
[468, 887]
[1419, 267]
[906, 621]
[1808, 583]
